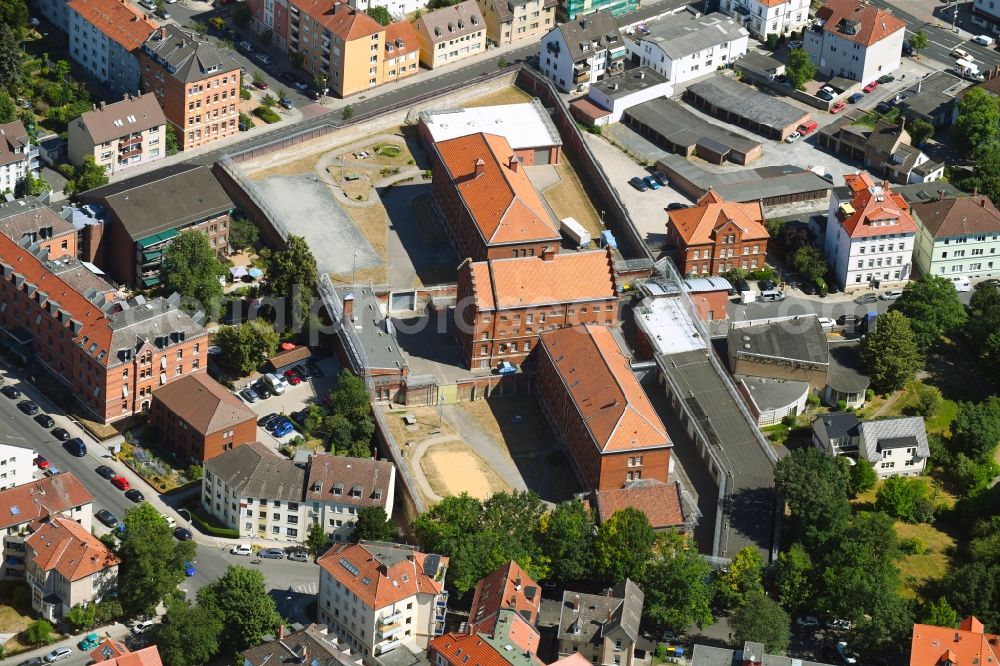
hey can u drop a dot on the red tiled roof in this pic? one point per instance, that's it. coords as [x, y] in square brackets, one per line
[108, 650]
[401, 30]
[40, 499]
[96, 327]
[147, 656]
[475, 649]
[870, 24]
[958, 216]
[968, 646]
[63, 545]
[659, 501]
[569, 277]
[204, 404]
[117, 19]
[697, 225]
[507, 587]
[501, 199]
[339, 18]
[289, 356]
[874, 210]
[385, 574]
[613, 405]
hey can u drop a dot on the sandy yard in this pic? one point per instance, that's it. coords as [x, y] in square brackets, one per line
[508, 95]
[427, 424]
[298, 167]
[568, 198]
[452, 468]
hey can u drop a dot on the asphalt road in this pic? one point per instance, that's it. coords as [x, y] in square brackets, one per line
[794, 304]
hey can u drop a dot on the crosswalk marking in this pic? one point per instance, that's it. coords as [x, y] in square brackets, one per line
[307, 588]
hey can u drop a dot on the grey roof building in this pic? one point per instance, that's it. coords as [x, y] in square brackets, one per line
[309, 645]
[752, 653]
[933, 98]
[771, 185]
[791, 348]
[188, 58]
[588, 621]
[680, 35]
[253, 470]
[743, 105]
[894, 447]
[845, 381]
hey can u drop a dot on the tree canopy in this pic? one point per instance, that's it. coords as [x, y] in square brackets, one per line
[243, 233]
[292, 271]
[189, 634]
[976, 429]
[191, 268]
[800, 68]
[889, 353]
[905, 498]
[742, 578]
[815, 488]
[567, 540]
[248, 345]
[761, 620]
[978, 122]
[678, 585]
[932, 306]
[241, 600]
[10, 55]
[623, 546]
[152, 560]
[810, 262]
[374, 525]
[794, 574]
[380, 14]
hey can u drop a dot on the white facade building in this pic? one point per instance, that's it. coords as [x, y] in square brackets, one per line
[894, 447]
[855, 40]
[17, 465]
[683, 47]
[616, 94]
[266, 496]
[578, 53]
[377, 597]
[397, 8]
[768, 17]
[869, 234]
[104, 38]
[17, 156]
[958, 236]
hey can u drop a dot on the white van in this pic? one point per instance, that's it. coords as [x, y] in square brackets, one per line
[771, 295]
[275, 383]
[961, 282]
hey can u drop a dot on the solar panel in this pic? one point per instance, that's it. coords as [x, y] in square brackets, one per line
[431, 564]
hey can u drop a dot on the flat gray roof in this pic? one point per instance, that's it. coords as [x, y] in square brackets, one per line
[748, 184]
[797, 339]
[770, 393]
[845, 373]
[373, 329]
[628, 82]
[759, 61]
[682, 34]
[675, 123]
[748, 102]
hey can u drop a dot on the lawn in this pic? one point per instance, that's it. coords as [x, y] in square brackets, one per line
[917, 570]
[940, 423]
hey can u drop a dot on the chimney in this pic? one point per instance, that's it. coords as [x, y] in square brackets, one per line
[100, 105]
[163, 33]
[576, 603]
[940, 195]
[548, 253]
[349, 307]
[513, 163]
[642, 75]
[480, 167]
[517, 584]
[982, 202]
[281, 631]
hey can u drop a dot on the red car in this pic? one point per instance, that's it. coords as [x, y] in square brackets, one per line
[41, 462]
[120, 482]
[293, 377]
[261, 84]
[871, 87]
[837, 108]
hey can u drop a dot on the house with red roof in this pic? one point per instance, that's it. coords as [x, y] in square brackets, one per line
[856, 40]
[489, 207]
[715, 236]
[376, 597]
[598, 411]
[503, 304]
[969, 645]
[104, 38]
[66, 566]
[869, 234]
[661, 502]
[507, 588]
[147, 656]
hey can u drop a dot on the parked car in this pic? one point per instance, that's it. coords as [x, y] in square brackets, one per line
[189, 569]
[827, 323]
[163, 14]
[241, 549]
[272, 554]
[286, 103]
[293, 377]
[652, 183]
[265, 421]
[842, 625]
[262, 84]
[311, 364]
[807, 128]
[106, 472]
[288, 78]
[961, 54]
[855, 98]
[58, 655]
[866, 298]
[34, 661]
[298, 556]
[249, 394]
[884, 106]
[794, 44]
[60, 433]
[142, 627]
[807, 621]
[41, 462]
[766, 285]
[891, 295]
[278, 422]
[10, 392]
[107, 518]
[285, 428]
[120, 482]
[638, 183]
[793, 137]
[907, 48]
[246, 46]
[89, 642]
[44, 420]
[983, 40]
[262, 390]
[845, 654]
[870, 88]
[300, 416]
[660, 178]
[76, 446]
[824, 95]
[263, 58]
[28, 407]
[134, 495]
[886, 78]
[837, 107]
[182, 534]
[171, 523]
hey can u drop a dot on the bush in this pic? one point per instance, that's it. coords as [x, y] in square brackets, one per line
[266, 114]
[928, 400]
[912, 546]
[812, 399]
[763, 273]
[790, 421]
[869, 394]
[202, 523]
[245, 94]
[841, 405]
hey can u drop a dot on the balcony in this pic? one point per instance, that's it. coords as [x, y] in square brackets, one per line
[387, 647]
[391, 619]
[387, 632]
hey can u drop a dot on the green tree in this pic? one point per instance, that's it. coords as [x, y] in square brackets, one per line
[678, 585]
[380, 14]
[14, 13]
[973, 476]
[799, 68]
[932, 306]
[983, 324]
[292, 268]
[339, 433]
[889, 353]
[976, 428]
[939, 614]
[173, 145]
[195, 472]
[374, 525]
[905, 498]
[316, 540]
[38, 632]
[32, 185]
[809, 262]
[241, 15]
[978, 122]
[246, 346]
[347, 112]
[985, 175]
[793, 576]
[567, 539]
[8, 110]
[929, 400]
[919, 130]
[862, 477]
[623, 546]
[81, 617]
[152, 560]
[919, 41]
[243, 233]
[761, 620]
[741, 578]
[189, 634]
[85, 177]
[888, 623]
[247, 610]
[815, 487]
[10, 57]
[973, 589]
[191, 268]
[350, 406]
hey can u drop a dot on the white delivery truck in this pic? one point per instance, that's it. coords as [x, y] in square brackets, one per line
[967, 69]
[576, 231]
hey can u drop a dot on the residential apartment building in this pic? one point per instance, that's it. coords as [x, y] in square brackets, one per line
[398, 9]
[894, 446]
[856, 40]
[527, 127]
[402, 52]
[29, 505]
[29, 220]
[598, 412]
[196, 83]
[120, 135]
[957, 236]
[197, 418]
[104, 38]
[114, 653]
[313, 641]
[270, 17]
[715, 236]
[969, 644]
[986, 14]
[682, 46]
[581, 51]
[884, 150]
[67, 566]
[503, 304]
[451, 34]
[144, 214]
[108, 351]
[266, 496]
[18, 157]
[487, 204]
[570, 10]
[768, 17]
[510, 21]
[869, 234]
[752, 653]
[603, 628]
[507, 588]
[16, 465]
[376, 597]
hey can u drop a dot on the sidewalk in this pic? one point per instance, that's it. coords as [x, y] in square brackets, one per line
[116, 631]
